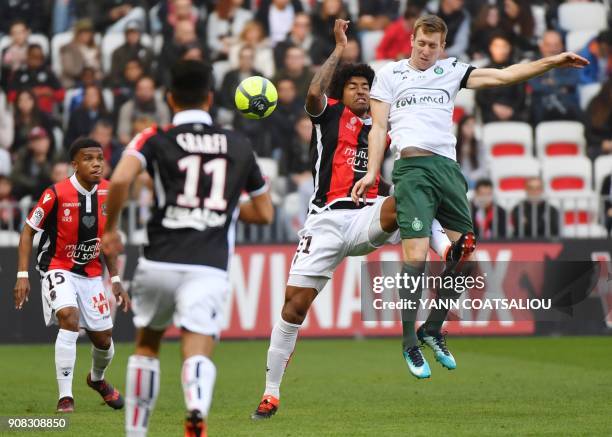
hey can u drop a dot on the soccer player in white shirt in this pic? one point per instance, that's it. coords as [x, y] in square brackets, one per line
[415, 97]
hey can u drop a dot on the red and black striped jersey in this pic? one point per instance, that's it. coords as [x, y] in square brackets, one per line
[340, 158]
[72, 220]
[199, 172]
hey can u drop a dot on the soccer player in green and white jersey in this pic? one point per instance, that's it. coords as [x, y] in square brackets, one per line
[415, 97]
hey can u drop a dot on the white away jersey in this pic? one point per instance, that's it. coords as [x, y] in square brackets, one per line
[422, 103]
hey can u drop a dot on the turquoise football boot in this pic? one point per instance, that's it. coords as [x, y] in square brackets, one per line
[417, 364]
[437, 343]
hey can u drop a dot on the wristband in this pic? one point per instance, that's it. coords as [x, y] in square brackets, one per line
[115, 280]
[22, 275]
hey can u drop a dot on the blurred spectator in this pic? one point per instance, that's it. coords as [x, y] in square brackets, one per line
[81, 53]
[397, 41]
[517, 21]
[224, 26]
[535, 217]
[83, 119]
[233, 77]
[352, 52]
[458, 22]
[501, 104]
[184, 35]
[322, 20]
[277, 16]
[599, 53]
[173, 12]
[606, 193]
[295, 70]
[88, 77]
[39, 78]
[31, 173]
[123, 89]
[60, 171]
[10, 215]
[281, 123]
[15, 55]
[193, 52]
[489, 218]
[140, 123]
[26, 116]
[111, 16]
[553, 94]
[5, 162]
[7, 125]
[296, 164]
[470, 153]
[131, 49]
[144, 102]
[111, 149]
[484, 26]
[253, 36]
[598, 122]
[299, 36]
[377, 14]
[33, 12]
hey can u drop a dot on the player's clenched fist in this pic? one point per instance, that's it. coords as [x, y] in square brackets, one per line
[21, 292]
[122, 297]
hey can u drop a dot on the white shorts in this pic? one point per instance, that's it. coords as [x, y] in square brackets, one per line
[330, 236]
[190, 296]
[62, 288]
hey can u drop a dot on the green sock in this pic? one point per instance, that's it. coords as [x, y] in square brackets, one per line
[437, 316]
[409, 338]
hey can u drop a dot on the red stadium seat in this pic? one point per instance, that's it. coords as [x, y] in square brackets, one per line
[507, 138]
[560, 138]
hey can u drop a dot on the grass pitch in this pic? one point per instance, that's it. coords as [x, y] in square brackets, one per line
[502, 386]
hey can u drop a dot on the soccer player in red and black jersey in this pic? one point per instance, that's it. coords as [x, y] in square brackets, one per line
[71, 216]
[336, 227]
[199, 171]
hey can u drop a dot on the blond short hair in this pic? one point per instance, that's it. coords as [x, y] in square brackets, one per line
[431, 24]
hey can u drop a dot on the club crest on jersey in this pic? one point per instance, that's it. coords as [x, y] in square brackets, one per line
[417, 224]
[89, 221]
[37, 216]
[67, 217]
[438, 70]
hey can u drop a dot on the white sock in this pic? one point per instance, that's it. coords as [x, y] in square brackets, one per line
[142, 387]
[439, 240]
[65, 356]
[100, 360]
[198, 378]
[282, 343]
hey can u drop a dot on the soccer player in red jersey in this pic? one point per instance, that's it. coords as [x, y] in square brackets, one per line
[71, 216]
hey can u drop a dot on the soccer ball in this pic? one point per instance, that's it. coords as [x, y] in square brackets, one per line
[256, 97]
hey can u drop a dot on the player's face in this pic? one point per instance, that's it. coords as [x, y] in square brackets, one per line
[356, 95]
[89, 164]
[426, 49]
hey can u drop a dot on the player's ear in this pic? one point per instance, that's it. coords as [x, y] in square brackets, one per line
[170, 100]
[209, 100]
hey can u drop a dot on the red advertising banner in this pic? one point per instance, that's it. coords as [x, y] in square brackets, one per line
[259, 273]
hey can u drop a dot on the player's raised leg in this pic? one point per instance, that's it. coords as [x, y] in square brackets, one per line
[142, 382]
[65, 356]
[102, 352]
[283, 338]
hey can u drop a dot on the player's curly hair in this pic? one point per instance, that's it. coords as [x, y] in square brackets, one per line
[344, 73]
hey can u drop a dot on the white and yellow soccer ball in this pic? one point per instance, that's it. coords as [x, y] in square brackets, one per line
[256, 97]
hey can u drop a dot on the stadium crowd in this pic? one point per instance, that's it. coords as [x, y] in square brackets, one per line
[75, 67]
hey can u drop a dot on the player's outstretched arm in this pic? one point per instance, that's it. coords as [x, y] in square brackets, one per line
[22, 286]
[127, 170]
[494, 77]
[315, 99]
[377, 142]
[257, 210]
